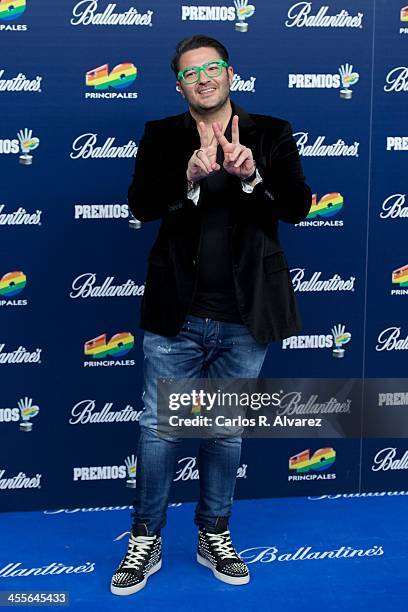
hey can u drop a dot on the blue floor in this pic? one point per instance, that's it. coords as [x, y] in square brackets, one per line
[262, 530]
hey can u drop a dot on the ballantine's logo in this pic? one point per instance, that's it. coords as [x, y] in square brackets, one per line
[85, 13]
[25, 140]
[11, 284]
[299, 16]
[84, 147]
[352, 495]
[268, 554]
[9, 11]
[20, 217]
[188, 470]
[14, 569]
[21, 481]
[393, 207]
[291, 404]
[397, 80]
[339, 337]
[385, 460]
[397, 143]
[107, 472]
[335, 283]
[84, 412]
[118, 346]
[404, 19]
[319, 149]
[120, 77]
[101, 211]
[20, 355]
[322, 211]
[20, 83]
[84, 286]
[99, 509]
[346, 78]
[302, 463]
[242, 11]
[389, 340]
[400, 277]
[239, 84]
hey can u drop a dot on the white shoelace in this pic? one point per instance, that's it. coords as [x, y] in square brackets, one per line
[222, 544]
[141, 545]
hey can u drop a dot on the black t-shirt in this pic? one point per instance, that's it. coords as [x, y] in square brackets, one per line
[215, 296]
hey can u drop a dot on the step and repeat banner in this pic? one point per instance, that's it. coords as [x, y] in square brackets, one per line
[78, 80]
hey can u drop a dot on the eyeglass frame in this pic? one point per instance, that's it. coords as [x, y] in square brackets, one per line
[221, 63]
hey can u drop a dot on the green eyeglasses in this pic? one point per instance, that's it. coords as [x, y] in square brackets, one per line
[191, 74]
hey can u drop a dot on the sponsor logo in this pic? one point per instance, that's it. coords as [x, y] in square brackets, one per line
[243, 85]
[119, 345]
[299, 15]
[348, 495]
[84, 413]
[389, 340]
[397, 80]
[84, 286]
[107, 472]
[393, 399]
[397, 143]
[267, 554]
[322, 210]
[20, 83]
[11, 284]
[86, 13]
[189, 471]
[292, 403]
[346, 78]
[400, 277]
[20, 355]
[385, 460]
[100, 509]
[21, 481]
[320, 149]
[120, 77]
[17, 569]
[20, 217]
[404, 19]
[25, 140]
[241, 11]
[303, 463]
[339, 338]
[10, 10]
[393, 207]
[101, 211]
[84, 147]
[314, 284]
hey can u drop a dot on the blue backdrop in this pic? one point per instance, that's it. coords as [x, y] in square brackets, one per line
[77, 82]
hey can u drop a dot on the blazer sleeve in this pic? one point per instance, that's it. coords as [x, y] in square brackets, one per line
[157, 183]
[283, 189]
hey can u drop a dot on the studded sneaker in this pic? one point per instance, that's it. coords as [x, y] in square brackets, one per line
[216, 551]
[142, 559]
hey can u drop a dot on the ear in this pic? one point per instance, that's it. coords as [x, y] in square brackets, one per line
[179, 88]
[230, 74]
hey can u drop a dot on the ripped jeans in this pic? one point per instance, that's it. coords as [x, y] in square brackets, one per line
[203, 348]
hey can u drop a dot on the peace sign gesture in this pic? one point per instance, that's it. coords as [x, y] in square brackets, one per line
[238, 159]
[204, 160]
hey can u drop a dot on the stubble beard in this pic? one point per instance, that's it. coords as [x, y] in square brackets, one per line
[206, 110]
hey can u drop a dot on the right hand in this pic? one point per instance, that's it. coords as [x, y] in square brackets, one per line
[203, 161]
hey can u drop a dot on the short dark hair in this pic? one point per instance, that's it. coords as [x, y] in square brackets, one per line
[195, 42]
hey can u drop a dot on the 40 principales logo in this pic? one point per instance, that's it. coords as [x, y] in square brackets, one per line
[241, 11]
[11, 11]
[323, 210]
[101, 80]
[99, 348]
[303, 463]
[11, 284]
[109, 472]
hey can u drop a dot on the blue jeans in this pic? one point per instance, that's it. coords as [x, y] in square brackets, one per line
[203, 348]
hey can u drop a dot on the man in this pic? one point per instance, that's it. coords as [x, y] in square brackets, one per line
[218, 288]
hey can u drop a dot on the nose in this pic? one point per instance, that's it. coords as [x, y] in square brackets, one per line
[203, 78]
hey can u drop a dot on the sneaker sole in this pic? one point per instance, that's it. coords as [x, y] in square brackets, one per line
[228, 579]
[137, 587]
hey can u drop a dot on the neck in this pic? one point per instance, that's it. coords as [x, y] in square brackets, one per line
[223, 115]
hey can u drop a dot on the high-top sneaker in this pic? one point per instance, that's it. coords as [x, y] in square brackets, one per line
[142, 559]
[215, 550]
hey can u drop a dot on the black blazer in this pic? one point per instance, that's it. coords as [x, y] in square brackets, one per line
[264, 290]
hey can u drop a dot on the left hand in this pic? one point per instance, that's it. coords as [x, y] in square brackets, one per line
[238, 159]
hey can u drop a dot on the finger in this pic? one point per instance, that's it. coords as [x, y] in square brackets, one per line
[219, 135]
[233, 156]
[202, 157]
[235, 130]
[245, 155]
[202, 130]
[197, 163]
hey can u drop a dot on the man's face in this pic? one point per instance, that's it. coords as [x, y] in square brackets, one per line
[207, 94]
